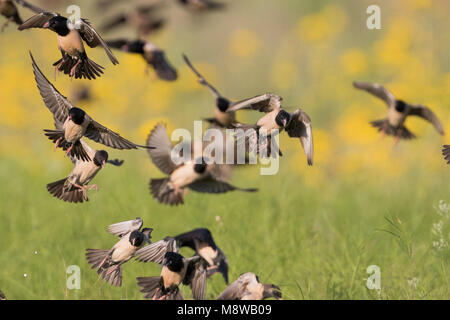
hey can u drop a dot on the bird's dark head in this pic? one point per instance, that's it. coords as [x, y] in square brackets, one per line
[76, 115]
[272, 291]
[59, 25]
[173, 261]
[100, 158]
[283, 117]
[200, 166]
[135, 46]
[136, 238]
[400, 106]
[222, 104]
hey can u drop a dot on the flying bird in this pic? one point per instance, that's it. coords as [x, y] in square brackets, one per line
[74, 61]
[2, 296]
[109, 263]
[200, 240]
[222, 118]
[72, 123]
[74, 187]
[446, 153]
[201, 5]
[155, 57]
[176, 270]
[195, 174]
[9, 10]
[140, 19]
[297, 124]
[248, 287]
[398, 111]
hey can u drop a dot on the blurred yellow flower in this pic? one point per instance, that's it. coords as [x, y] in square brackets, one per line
[284, 74]
[353, 61]
[244, 43]
[329, 22]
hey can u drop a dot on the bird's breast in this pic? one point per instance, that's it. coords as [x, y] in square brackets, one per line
[268, 122]
[123, 250]
[72, 131]
[394, 117]
[207, 253]
[184, 176]
[170, 278]
[85, 171]
[72, 44]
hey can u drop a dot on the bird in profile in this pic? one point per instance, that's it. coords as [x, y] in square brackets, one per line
[222, 118]
[276, 119]
[109, 263]
[73, 123]
[140, 18]
[153, 56]
[184, 172]
[9, 10]
[71, 35]
[176, 270]
[74, 187]
[446, 153]
[398, 112]
[200, 240]
[248, 287]
[201, 5]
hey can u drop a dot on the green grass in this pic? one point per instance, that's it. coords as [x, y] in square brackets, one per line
[315, 244]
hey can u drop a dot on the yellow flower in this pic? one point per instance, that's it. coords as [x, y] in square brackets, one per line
[353, 61]
[284, 74]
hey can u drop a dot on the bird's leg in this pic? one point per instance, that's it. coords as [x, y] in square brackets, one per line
[384, 129]
[74, 68]
[6, 24]
[83, 189]
[70, 149]
[103, 262]
[111, 270]
[163, 297]
[57, 143]
[397, 139]
[156, 293]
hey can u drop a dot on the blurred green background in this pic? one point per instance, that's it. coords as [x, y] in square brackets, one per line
[311, 230]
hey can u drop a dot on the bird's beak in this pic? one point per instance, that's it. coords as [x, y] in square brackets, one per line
[133, 241]
[103, 163]
[284, 123]
[70, 117]
[46, 25]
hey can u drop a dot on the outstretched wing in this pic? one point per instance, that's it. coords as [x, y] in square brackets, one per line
[121, 228]
[155, 252]
[188, 239]
[300, 127]
[201, 79]
[377, 90]
[30, 6]
[55, 101]
[196, 276]
[263, 103]
[103, 135]
[93, 39]
[210, 185]
[161, 155]
[38, 20]
[446, 153]
[427, 114]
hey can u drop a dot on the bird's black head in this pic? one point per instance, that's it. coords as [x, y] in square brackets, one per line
[283, 117]
[136, 238]
[77, 115]
[100, 158]
[173, 261]
[222, 104]
[135, 46]
[272, 291]
[59, 25]
[400, 106]
[200, 167]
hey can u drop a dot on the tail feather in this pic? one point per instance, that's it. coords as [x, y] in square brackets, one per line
[96, 256]
[87, 69]
[402, 132]
[107, 269]
[77, 151]
[163, 193]
[150, 286]
[60, 190]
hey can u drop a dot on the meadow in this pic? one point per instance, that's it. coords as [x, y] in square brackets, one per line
[313, 231]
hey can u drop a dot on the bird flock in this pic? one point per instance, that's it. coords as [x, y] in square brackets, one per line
[73, 126]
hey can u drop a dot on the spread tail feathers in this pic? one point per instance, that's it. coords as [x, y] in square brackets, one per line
[153, 287]
[107, 269]
[402, 132]
[60, 190]
[77, 151]
[161, 191]
[86, 69]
